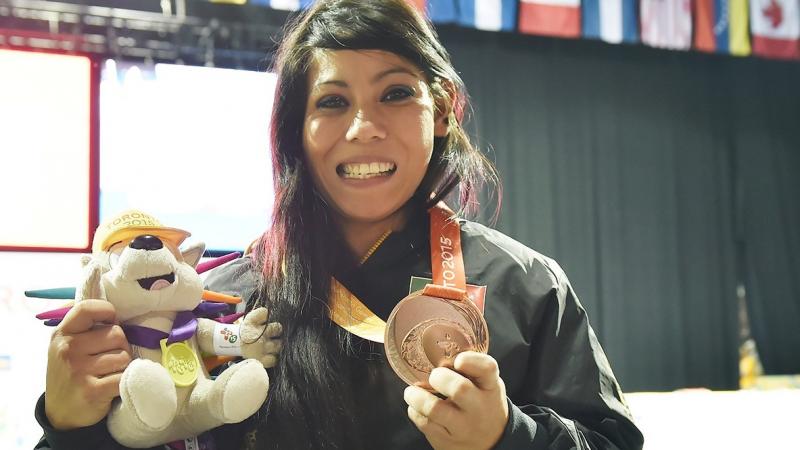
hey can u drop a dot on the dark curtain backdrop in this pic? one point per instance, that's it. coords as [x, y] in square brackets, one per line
[644, 172]
[767, 140]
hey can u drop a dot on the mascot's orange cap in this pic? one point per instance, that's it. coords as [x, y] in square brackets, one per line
[130, 224]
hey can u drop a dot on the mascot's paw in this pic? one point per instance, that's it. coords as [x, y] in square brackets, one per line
[148, 391]
[243, 388]
[260, 339]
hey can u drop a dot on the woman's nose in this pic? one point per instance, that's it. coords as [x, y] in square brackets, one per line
[364, 128]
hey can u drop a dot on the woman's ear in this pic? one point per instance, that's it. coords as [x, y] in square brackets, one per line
[444, 94]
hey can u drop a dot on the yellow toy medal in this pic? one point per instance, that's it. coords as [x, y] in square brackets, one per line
[181, 362]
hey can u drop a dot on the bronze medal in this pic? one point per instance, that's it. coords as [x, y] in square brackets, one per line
[425, 331]
[429, 327]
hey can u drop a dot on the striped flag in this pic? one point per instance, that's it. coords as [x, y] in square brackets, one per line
[491, 15]
[286, 5]
[613, 21]
[441, 11]
[550, 17]
[666, 23]
[776, 28]
[721, 26]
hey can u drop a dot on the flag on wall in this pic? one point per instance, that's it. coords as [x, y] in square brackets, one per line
[286, 5]
[613, 21]
[420, 4]
[550, 17]
[491, 15]
[440, 11]
[776, 28]
[721, 26]
[666, 23]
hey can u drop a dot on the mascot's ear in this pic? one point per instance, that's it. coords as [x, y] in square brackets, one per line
[193, 254]
[92, 286]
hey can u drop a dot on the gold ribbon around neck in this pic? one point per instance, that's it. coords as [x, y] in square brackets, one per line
[347, 311]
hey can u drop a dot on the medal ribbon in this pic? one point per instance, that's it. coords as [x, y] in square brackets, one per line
[447, 265]
[447, 262]
[183, 327]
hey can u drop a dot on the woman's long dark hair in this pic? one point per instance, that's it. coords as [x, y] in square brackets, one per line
[308, 405]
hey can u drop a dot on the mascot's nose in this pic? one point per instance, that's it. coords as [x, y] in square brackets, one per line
[146, 242]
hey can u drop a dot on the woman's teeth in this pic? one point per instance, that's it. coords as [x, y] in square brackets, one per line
[366, 170]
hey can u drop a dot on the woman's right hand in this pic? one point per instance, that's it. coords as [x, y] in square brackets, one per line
[85, 360]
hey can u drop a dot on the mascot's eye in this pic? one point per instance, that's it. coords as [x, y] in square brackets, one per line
[114, 251]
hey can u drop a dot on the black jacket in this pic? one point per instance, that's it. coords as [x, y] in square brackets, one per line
[561, 391]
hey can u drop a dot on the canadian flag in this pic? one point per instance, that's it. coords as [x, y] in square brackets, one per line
[775, 25]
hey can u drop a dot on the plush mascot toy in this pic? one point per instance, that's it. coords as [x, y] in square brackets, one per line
[166, 393]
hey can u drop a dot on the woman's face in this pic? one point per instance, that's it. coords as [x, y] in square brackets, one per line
[368, 131]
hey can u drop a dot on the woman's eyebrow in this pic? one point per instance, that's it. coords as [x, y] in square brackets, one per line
[393, 70]
[379, 76]
[334, 82]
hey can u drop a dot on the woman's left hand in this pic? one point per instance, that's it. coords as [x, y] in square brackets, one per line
[475, 412]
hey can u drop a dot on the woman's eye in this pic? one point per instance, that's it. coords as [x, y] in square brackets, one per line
[398, 93]
[331, 101]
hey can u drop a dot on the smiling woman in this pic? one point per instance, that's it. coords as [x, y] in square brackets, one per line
[368, 138]
[367, 145]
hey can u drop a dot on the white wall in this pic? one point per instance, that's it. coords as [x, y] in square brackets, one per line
[24, 339]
